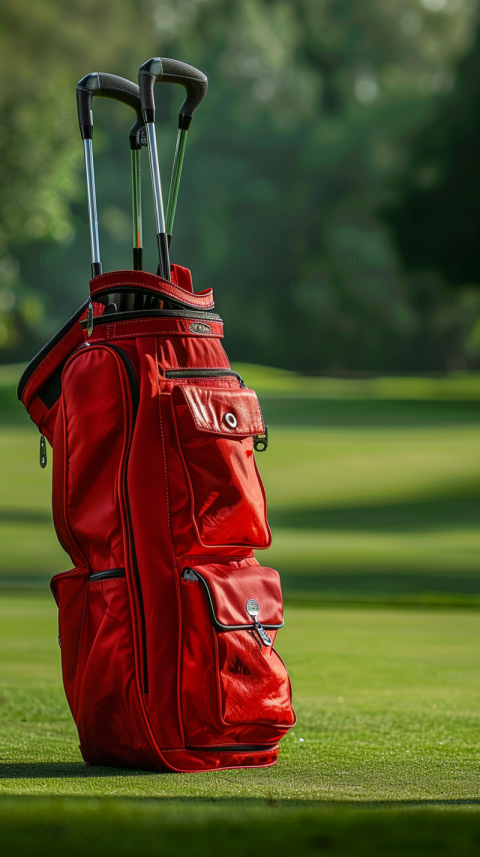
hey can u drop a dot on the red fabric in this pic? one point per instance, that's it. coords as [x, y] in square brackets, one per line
[148, 479]
[167, 327]
[233, 689]
[142, 279]
[212, 408]
[227, 499]
[230, 593]
[181, 277]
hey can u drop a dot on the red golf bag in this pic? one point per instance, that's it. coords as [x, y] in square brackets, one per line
[167, 621]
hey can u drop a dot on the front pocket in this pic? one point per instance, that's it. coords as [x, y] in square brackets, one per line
[215, 429]
[235, 687]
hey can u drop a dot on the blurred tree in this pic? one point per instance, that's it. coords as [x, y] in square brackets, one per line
[45, 47]
[435, 205]
[303, 128]
[309, 106]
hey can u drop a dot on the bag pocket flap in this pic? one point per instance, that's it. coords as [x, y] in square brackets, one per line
[222, 411]
[229, 590]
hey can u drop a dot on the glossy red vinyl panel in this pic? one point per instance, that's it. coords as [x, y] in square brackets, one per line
[230, 590]
[89, 447]
[228, 412]
[151, 680]
[254, 683]
[233, 689]
[114, 280]
[98, 666]
[228, 505]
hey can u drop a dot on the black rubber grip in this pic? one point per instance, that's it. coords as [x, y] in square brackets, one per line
[108, 86]
[164, 70]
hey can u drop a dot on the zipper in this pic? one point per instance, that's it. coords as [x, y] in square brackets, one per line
[204, 373]
[105, 575]
[132, 380]
[129, 315]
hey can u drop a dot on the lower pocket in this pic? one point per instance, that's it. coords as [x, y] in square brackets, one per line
[98, 663]
[235, 687]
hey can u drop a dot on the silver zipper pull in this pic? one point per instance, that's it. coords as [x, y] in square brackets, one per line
[90, 318]
[43, 452]
[253, 609]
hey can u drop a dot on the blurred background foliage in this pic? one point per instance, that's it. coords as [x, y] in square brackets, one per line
[330, 190]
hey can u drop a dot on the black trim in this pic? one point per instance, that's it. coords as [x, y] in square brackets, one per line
[35, 362]
[128, 315]
[204, 373]
[218, 625]
[132, 380]
[105, 575]
[52, 389]
[234, 748]
[161, 296]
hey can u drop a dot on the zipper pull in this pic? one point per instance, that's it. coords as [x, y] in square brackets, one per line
[43, 452]
[253, 609]
[260, 441]
[90, 318]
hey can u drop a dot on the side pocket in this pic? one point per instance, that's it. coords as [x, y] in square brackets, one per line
[69, 590]
[235, 687]
[99, 666]
[215, 429]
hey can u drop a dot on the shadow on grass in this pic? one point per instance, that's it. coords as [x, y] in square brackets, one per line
[419, 515]
[367, 412]
[25, 516]
[64, 770]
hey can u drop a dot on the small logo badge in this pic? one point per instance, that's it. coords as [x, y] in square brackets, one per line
[198, 327]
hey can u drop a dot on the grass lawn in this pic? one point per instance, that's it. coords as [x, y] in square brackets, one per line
[356, 511]
[374, 497]
[388, 705]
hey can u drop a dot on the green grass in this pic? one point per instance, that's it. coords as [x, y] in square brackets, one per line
[381, 512]
[388, 706]
[374, 497]
[461, 386]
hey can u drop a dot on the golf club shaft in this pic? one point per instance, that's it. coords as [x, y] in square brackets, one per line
[163, 255]
[92, 208]
[175, 179]
[136, 211]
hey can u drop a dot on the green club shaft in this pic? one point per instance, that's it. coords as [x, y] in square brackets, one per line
[175, 179]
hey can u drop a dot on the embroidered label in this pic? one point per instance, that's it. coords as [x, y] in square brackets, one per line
[199, 327]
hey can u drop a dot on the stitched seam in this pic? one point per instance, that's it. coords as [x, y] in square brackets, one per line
[80, 638]
[176, 323]
[200, 369]
[193, 300]
[159, 333]
[215, 750]
[148, 278]
[174, 565]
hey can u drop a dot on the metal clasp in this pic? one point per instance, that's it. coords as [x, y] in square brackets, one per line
[260, 441]
[253, 609]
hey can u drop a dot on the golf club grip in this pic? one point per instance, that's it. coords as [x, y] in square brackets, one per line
[164, 70]
[107, 86]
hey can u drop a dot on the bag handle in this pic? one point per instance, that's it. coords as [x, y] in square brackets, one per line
[119, 89]
[164, 70]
